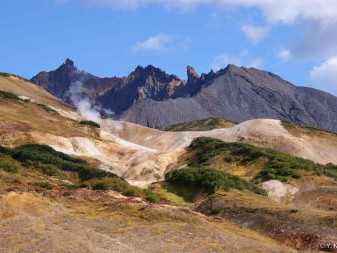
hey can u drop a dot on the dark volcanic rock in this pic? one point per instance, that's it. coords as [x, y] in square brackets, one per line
[143, 83]
[60, 81]
[151, 97]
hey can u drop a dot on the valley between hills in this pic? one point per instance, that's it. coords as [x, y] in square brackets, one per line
[71, 184]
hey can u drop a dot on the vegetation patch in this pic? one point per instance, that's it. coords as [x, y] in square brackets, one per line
[4, 74]
[201, 125]
[47, 108]
[211, 180]
[278, 165]
[45, 155]
[120, 185]
[90, 123]
[289, 124]
[44, 185]
[8, 95]
[180, 194]
[50, 162]
[8, 166]
[47, 169]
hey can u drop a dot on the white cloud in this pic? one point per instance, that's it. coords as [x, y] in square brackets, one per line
[243, 59]
[159, 42]
[254, 33]
[325, 75]
[316, 19]
[163, 43]
[284, 55]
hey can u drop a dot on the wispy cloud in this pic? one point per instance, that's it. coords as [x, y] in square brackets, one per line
[325, 75]
[163, 43]
[155, 43]
[255, 33]
[284, 55]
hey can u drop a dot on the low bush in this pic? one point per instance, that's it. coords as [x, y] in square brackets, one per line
[115, 184]
[120, 185]
[4, 150]
[90, 123]
[8, 166]
[47, 108]
[8, 95]
[44, 184]
[151, 196]
[48, 160]
[211, 180]
[47, 169]
[5, 74]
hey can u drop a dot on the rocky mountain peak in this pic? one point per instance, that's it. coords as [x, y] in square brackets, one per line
[192, 75]
[151, 75]
[69, 63]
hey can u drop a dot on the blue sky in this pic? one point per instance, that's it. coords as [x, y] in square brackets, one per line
[295, 39]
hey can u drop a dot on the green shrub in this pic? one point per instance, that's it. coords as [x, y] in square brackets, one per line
[215, 211]
[47, 108]
[5, 74]
[90, 123]
[8, 95]
[115, 184]
[44, 184]
[47, 169]
[211, 180]
[4, 150]
[151, 196]
[8, 166]
[45, 155]
[229, 159]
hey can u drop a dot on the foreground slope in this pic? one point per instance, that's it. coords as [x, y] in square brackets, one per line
[151, 97]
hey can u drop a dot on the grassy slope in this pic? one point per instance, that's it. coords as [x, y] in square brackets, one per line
[19, 117]
[201, 125]
[306, 129]
[253, 163]
[22, 87]
[50, 169]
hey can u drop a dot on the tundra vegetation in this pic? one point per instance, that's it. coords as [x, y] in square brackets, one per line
[47, 161]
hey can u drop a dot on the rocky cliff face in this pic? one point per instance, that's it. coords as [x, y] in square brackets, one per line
[151, 97]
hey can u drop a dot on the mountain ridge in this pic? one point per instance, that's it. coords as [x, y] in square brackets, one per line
[151, 97]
